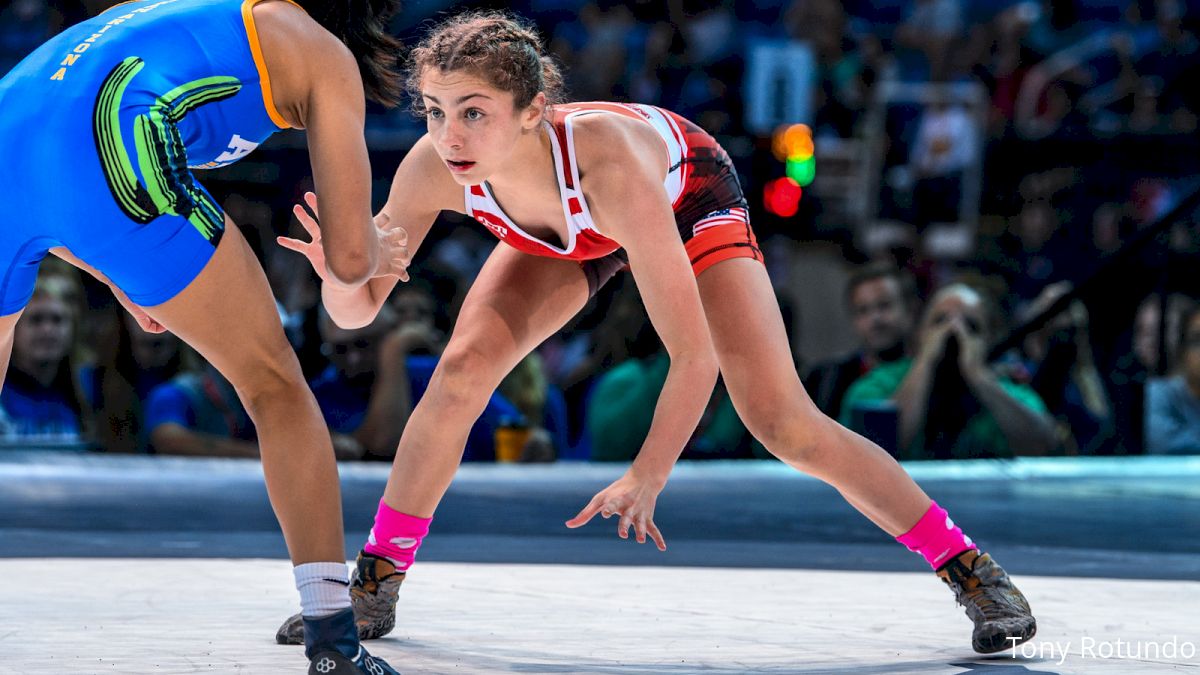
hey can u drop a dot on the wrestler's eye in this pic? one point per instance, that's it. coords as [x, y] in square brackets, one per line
[433, 113]
[473, 114]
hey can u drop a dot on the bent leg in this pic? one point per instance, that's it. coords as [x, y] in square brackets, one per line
[517, 301]
[228, 314]
[756, 362]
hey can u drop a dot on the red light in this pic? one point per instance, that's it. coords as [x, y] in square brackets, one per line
[781, 197]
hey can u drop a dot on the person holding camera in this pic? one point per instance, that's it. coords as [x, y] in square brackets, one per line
[1057, 362]
[950, 404]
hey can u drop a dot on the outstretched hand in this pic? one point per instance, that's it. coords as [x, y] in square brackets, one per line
[392, 237]
[312, 249]
[632, 500]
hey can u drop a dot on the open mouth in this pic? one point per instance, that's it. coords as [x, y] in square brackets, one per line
[459, 166]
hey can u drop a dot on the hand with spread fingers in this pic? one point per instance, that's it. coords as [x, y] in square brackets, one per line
[632, 500]
[393, 242]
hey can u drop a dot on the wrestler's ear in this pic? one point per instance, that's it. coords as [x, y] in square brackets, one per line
[532, 117]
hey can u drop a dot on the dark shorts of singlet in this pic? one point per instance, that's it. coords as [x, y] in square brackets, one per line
[712, 217]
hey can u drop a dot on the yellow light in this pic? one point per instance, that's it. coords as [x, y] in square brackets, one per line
[779, 146]
[798, 141]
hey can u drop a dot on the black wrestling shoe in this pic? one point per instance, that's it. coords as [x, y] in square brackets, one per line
[331, 645]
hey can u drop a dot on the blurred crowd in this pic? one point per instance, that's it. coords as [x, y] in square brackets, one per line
[1070, 122]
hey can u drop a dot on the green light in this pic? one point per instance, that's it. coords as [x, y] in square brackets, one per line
[803, 171]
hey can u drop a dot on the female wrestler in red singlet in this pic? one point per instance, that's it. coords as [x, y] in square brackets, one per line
[577, 192]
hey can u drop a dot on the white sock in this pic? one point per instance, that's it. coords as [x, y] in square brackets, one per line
[324, 588]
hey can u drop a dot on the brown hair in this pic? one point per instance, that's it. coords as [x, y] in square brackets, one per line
[500, 47]
[883, 270]
[362, 25]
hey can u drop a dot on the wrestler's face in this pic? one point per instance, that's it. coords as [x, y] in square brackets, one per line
[474, 126]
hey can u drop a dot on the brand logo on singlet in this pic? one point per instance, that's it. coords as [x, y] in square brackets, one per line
[490, 221]
[238, 148]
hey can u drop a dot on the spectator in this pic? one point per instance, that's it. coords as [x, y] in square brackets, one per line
[932, 28]
[1132, 369]
[596, 48]
[585, 355]
[662, 67]
[621, 405]
[950, 404]
[377, 374]
[1064, 374]
[1033, 253]
[364, 393]
[42, 396]
[198, 414]
[121, 383]
[882, 301]
[297, 298]
[947, 144]
[415, 305]
[542, 405]
[1173, 404]
[1147, 322]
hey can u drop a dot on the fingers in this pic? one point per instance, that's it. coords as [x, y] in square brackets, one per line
[310, 198]
[643, 525]
[397, 239]
[639, 530]
[584, 516]
[308, 222]
[394, 241]
[384, 222]
[293, 244]
[656, 536]
[149, 325]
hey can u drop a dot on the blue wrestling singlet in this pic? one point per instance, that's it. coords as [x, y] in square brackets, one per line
[101, 127]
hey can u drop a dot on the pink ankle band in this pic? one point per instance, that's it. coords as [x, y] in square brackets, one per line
[396, 536]
[936, 537]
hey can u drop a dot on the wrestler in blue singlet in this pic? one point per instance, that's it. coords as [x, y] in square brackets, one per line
[100, 127]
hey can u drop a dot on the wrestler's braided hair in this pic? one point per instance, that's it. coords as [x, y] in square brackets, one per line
[498, 47]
